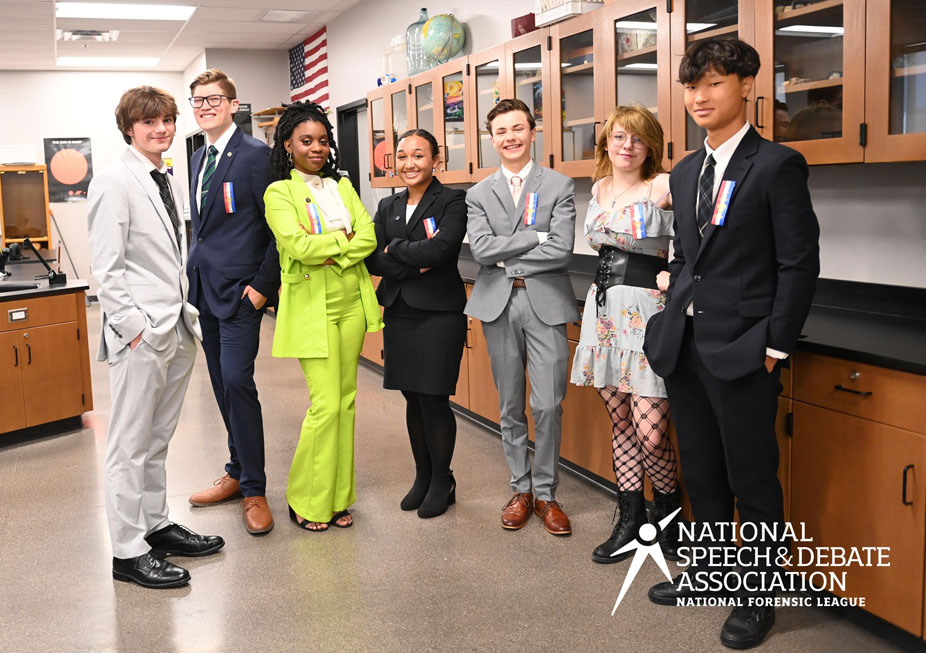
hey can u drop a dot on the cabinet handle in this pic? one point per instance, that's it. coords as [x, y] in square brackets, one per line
[29, 350]
[16, 355]
[386, 161]
[903, 496]
[759, 99]
[446, 157]
[860, 393]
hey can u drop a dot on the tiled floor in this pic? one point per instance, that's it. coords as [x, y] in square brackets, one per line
[393, 582]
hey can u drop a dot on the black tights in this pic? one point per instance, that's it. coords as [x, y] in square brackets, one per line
[640, 427]
[432, 431]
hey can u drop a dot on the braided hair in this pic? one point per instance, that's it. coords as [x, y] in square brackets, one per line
[294, 115]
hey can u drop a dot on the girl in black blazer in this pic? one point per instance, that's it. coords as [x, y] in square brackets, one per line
[418, 237]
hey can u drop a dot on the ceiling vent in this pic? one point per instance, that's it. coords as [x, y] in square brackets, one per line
[103, 36]
[279, 16]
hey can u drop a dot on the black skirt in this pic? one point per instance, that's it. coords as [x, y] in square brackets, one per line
[422, 349]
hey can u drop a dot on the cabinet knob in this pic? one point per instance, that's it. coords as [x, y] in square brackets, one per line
[854, 375]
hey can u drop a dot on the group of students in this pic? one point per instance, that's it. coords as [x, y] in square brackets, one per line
[703, 331]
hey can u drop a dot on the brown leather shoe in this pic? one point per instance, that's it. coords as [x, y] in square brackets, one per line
[554, 519]
[222, 490]
[517, 511]
[257, 517]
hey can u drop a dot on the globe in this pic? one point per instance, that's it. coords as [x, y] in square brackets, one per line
[442, 37]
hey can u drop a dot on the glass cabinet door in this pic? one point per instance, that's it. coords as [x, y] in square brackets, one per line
[637, 48]
[527, 67]
[575, 95]
[379, 146]
[488, 87]
[422, 102]
[399, 121]
[895, 79]
[811, 91]
[450, 120]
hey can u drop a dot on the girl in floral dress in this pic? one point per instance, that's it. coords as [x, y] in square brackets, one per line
[629, 224]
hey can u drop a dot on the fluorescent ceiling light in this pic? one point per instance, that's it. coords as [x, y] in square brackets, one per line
[527, 66]
[635, 24]
[123, 11]
[641, 66]
[109, 62]
[697, 27]
[814, 29]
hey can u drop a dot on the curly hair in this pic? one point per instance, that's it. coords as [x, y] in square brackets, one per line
[294, 115]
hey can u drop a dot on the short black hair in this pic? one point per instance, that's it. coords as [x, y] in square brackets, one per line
[725, 55]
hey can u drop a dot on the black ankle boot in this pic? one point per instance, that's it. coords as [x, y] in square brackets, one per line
[416, 495]
[663, 506]
[441, 495]
[633, 515]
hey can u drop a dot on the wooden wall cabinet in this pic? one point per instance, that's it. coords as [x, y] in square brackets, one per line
[24, 211]
[44, 360]
[388, 118]
[527, 73]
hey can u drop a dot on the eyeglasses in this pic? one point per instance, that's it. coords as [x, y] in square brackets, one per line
[213, 100]
[618, 138]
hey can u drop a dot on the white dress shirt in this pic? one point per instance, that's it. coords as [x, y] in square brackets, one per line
[522, 173]
[220, 144]
[326, 196]
[147, 162]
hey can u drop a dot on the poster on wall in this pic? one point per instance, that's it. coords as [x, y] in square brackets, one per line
[70, 168]
[242, 118]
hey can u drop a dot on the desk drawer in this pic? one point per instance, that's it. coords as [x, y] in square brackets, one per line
[875, 393]
[51, 309]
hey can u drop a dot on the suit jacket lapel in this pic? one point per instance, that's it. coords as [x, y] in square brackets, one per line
[196, 164]
[395, 224]
[154, 194]
[503, 192]
[530, 185]
[221, 170]
[427, 200]
[736, 171]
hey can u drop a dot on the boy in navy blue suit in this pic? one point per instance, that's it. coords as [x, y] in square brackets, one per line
[234, 272]
[742, 279]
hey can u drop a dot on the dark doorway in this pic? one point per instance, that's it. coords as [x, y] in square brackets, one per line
[348, 143]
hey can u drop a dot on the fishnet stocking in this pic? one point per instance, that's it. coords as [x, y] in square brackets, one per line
[638, 442]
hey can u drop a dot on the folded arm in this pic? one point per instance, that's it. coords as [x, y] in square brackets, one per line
[555, 251]
[440, 250]
[283, 217]
[487, 248]
[380, 263]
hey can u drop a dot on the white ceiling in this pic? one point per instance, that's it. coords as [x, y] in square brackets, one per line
[27, 31]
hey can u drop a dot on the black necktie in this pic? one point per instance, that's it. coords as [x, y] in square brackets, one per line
[706, 194]
[167, 197]
[207, 176]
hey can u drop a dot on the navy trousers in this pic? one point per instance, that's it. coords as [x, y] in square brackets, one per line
[231, 346]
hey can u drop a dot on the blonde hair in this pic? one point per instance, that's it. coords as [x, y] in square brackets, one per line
[640, 122]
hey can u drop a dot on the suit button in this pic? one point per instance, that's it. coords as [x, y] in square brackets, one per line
[700, 312]
[199, 240]
[195, 268]
[306, 276]
[697, 278]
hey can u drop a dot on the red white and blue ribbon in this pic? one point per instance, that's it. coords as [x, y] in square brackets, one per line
[723, 202]
[228, 192]
[315, 218]
[430, 227]
[530, 209]
[637, 221]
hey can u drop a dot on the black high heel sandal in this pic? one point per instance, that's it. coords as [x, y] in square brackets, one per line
[304, 525]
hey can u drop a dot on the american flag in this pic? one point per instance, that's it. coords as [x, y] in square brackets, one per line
[308, 69]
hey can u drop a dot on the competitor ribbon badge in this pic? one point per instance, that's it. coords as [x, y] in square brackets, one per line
[530, 210]
[722, 203]
[228, 193]
[430, 227]
[315, 218]
[637, 222]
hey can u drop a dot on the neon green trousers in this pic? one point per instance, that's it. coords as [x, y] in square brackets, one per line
[321, 478]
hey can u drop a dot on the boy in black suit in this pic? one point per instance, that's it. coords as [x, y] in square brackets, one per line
[742, 280]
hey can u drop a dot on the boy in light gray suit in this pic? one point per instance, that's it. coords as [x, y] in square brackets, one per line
[148, 339]
[521, 229]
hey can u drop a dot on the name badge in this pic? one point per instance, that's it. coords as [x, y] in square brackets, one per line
[430, 227]
[637, 221]
[530, 210]
[315, 218]
[228, 192]
[722, 203]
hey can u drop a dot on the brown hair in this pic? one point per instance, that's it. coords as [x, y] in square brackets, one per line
[504, 106]
[640, 122]
[143, 103]
[216, 76]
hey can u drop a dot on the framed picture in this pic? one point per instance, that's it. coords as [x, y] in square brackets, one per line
[537, 92]
[453, 101]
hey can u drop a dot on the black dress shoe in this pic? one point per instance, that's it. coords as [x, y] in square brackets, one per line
[181, 541]
[149, 571]
[747, 626]
[667, 593]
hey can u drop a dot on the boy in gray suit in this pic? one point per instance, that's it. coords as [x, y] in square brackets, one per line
[148, 339]
[521, 229]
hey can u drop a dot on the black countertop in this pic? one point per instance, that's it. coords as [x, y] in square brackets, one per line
[868, 323]
[22, 273]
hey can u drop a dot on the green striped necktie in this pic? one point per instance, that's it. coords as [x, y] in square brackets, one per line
[207, 176]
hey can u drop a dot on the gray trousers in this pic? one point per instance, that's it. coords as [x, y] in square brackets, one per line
[147, 388]
[515, 339]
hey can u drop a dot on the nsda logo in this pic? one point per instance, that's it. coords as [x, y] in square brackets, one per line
[647, 545]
